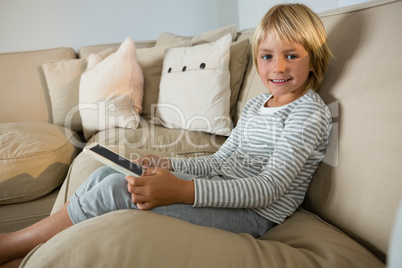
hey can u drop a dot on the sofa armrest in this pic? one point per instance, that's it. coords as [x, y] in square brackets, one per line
[145, 239]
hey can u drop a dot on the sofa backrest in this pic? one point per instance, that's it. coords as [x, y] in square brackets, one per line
[84, 52]
[359, 184]
[24, 96]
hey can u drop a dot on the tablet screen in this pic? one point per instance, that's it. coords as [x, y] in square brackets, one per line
[117, 159]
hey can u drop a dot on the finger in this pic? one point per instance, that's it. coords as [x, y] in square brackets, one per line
[135, 181]
[145, 206]
[138, 198]
[129, 179]
[136, 189]
[151, 171]
[131, 189]
[144, 162]
[148, 161]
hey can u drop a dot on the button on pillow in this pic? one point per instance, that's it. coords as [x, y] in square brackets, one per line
[34, 160]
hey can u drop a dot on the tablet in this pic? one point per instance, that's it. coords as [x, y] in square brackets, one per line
[114, 160]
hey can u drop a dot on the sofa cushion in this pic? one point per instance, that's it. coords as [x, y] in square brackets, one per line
[24, 95]
[34, 159]
[238, 63]
[84, 52]
[14, 217]
[111, 92]
[176, 142]
[301, 241]
[166, 39]
[135, 143]
[151, 60]
[195, 88]
[63, 81]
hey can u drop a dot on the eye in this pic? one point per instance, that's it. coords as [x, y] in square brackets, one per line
[202, 66]
[291, 57]
[266, 57]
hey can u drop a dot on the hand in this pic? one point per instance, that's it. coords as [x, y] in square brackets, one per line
[155, 161]
[159, 187]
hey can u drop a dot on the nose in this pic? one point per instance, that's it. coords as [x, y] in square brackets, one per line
[279, 65]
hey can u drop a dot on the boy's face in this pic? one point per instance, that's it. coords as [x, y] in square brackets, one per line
[283, 68]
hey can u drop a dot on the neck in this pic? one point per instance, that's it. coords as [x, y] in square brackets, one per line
[277, 100]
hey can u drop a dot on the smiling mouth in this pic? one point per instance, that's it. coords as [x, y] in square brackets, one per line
[280, 80]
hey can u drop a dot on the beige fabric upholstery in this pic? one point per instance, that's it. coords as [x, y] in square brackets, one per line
[360, 192]
[35, 158]
[356, 189]
[358, 186]
[148, 139]
[182, 78]
[111, 91]
[151, 57]
[14, 217]
[63, 81]
[167, 39]
[23, 94]
[152, 240]
[84, 52]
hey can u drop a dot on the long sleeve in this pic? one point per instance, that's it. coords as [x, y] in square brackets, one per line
[207, 165]
[269, 160]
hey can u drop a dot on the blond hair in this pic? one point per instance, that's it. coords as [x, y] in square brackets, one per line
[298, 24]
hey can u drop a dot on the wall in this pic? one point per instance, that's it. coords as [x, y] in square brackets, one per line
[251, 11]
[29, 25]
[41, 24]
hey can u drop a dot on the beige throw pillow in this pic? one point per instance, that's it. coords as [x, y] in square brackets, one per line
[166, 39]
[195, 88]
[63, 80]
[35, 158]
[151, 60]
[237, 67]
[111, 92]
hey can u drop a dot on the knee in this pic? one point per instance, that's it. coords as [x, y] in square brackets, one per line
[99, 174]
[115, 181]
[115, 188]
[104, 171]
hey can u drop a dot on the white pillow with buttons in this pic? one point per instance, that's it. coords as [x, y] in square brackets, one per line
[195, 88]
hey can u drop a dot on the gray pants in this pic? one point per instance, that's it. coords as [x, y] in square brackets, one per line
[105, 190]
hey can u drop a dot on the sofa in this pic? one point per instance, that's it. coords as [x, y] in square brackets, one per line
[347, 217]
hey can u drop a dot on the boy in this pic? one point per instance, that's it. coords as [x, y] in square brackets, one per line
[256, 179]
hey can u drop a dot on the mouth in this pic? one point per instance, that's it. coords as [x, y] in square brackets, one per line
[279, 81]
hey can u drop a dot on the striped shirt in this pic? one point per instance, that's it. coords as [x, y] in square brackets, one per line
[268, 160]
